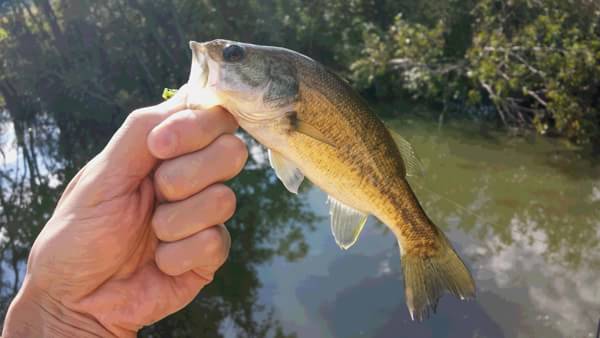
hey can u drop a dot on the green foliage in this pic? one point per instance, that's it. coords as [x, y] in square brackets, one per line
[90, 63]
[409, 47]
[537, 62]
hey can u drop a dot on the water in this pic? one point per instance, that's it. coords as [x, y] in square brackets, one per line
[524, 213]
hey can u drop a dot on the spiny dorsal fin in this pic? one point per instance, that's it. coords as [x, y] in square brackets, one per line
[286, 171]
[411, 161]
[346, 223]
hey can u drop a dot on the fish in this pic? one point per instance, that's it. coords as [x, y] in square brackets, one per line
[316, 126]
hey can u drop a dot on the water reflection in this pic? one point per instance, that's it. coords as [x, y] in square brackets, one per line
[29, 191]
[513, 184]
[529, 232]
[533, 225]
[268, 223]
[524, 213]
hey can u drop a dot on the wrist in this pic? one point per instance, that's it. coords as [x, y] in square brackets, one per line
[33, 314]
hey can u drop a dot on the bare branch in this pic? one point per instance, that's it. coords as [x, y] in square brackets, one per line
[537, 98]
[494, 97]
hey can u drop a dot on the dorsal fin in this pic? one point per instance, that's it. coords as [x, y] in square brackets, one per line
[411, 162]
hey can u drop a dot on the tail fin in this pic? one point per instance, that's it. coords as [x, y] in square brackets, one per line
[426, 278]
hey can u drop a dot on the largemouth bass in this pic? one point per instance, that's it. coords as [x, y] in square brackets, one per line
[316, 126]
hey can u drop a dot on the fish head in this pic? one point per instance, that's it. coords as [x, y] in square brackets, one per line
[252, 82]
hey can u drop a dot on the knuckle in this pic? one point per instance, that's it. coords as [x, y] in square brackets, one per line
[225, 201]
[235, 148]
[206, 274]
[217, 246]
[198, 120]
[139, 119]
[165, 182]
[160, 226]
[160, 258]
[137, 116]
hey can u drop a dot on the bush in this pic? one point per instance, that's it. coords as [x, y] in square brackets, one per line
[537, 62]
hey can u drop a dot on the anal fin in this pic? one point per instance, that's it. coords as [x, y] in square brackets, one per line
[346, 223]
[286, 171]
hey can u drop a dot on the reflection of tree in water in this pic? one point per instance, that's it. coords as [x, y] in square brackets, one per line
[499, 188]
[69, 74]
[269, 222]
[27, 199]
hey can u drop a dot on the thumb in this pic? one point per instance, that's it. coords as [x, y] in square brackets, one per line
[126, 159]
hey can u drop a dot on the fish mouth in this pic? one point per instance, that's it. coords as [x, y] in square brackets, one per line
[199, 71]
[202, 88]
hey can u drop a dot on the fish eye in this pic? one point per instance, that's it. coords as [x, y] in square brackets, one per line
[233, 53]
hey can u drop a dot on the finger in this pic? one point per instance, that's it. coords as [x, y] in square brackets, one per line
[186, 175]
[126, 160]
[175, 221]
[189, 130]
[127, 149]
[207, 249]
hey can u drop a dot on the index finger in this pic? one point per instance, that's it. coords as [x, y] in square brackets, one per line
[189, 130]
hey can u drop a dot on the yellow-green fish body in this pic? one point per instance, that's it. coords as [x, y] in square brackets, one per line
[316, 126]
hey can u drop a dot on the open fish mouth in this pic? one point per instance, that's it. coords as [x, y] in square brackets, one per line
[199, 71]
[201, 94]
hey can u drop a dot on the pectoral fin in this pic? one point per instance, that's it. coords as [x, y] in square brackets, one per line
[346, 223]
[411, 163]
[297, 125]
[309, 130]
[286, 171]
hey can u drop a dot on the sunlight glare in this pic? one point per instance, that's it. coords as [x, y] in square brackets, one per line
[202, 98]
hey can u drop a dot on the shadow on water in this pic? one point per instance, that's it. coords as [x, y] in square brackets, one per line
[370, 306]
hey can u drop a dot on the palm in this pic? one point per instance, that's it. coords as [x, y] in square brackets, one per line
[118, 280]
[110, 252]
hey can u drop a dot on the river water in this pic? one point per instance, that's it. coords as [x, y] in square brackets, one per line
[523, 213]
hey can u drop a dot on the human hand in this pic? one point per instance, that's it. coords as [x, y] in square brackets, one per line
[137, 232]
